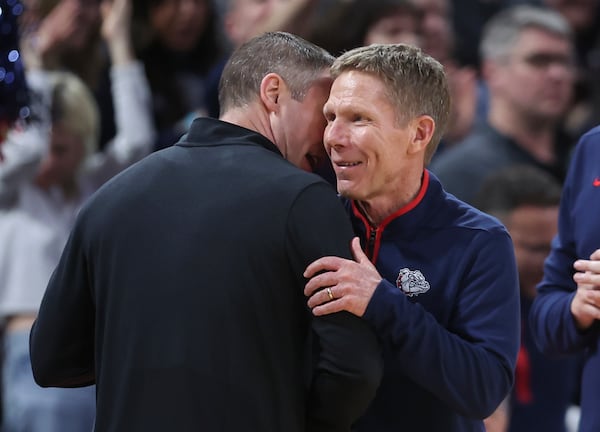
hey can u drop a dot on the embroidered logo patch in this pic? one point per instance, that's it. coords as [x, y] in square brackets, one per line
[412, 282]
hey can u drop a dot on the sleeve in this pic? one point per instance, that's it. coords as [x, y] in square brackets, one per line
[134, 123]
[348, 369]
[62, 337]
[23, 151]
[552, 324]
[468, 362]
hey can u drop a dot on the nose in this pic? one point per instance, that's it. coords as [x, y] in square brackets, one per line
[335, 135]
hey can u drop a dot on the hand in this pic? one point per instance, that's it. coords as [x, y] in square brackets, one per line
[585, 306]
[116, 29]
[351, 283]
[57, 28]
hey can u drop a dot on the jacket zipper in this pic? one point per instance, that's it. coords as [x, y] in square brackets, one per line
[371, 242]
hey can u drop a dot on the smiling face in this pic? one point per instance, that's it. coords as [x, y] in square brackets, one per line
[368, 147]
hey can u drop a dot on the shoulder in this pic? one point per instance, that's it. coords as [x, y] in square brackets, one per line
[455, 214]
[590, 141]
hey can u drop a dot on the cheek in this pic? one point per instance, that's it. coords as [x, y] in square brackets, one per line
[161, 18]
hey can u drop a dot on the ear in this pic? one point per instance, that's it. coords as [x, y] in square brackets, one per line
[423, 128]
[271, 88]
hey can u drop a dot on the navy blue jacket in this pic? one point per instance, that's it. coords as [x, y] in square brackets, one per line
[447, 314]
[578, 236]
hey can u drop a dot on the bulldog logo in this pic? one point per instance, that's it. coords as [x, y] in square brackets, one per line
[412, 282]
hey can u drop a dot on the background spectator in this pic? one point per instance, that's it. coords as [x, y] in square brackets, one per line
[565, 312]
[50, 169]
[526, 201]
[528, 66]
[178, 41]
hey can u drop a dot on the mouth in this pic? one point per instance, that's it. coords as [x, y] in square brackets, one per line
[347, 164]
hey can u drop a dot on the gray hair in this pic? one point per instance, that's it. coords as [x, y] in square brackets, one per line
[416, 83]
[298, 62]
[502, 31]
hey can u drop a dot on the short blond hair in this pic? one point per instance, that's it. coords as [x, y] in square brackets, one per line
[74, 106]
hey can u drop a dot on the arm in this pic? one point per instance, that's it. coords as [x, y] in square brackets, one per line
[468, 363]
[349, 366]
[62, 337]
[23, 151]
[130, 94]
[558, 320]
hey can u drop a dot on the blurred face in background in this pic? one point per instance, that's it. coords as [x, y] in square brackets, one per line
[537, 77]
[399, 26]
[532, 229]
[436, 28]
[580, 14]
[245, 17]
[179, 24]
[64, 159]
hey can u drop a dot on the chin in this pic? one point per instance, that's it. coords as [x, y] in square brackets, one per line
[347, 192]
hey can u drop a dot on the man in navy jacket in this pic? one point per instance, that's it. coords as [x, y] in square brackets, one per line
[179, 292]
[565, 313]
[438, 282]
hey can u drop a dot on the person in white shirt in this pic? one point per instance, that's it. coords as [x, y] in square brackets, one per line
[48, 171]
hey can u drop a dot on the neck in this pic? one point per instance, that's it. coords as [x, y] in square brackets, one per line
[252, 117]
[378, 209]
[533, 134]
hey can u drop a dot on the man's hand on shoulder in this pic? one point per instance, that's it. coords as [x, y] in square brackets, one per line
[337, 284]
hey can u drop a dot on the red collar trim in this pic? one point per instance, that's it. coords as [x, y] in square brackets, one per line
[403, 210]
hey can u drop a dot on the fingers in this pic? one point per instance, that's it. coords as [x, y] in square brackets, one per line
[585, 306]
[320, 281]
[592, 266]
[326, 295]
[595, 255]
[329, 263]
[329, 307]
[357, 251]
[587, 278]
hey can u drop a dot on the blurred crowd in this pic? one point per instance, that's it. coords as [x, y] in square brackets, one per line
[110, 81]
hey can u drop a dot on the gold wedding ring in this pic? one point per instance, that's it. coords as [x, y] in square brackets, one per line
[330, 294]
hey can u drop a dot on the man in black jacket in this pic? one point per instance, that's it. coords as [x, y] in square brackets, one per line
[180, 291]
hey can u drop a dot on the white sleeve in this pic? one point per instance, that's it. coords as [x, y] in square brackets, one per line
[135, 126]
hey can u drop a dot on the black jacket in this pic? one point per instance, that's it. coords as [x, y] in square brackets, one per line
[180, 294]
